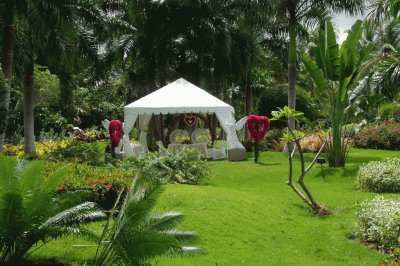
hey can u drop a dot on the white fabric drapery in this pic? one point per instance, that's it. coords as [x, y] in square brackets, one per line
[128, 125]
[143, 126]
[228, 123]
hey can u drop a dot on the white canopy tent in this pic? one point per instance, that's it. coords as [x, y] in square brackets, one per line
[179, 96]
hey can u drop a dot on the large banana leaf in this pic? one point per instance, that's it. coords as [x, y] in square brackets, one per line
[349, 53]
[332, 53]
[315, 73]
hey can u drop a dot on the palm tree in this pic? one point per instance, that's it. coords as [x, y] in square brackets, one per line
[135, 236]
[303, 14]
[60, 25]
[383, 20]
[31, 214]
[8, 15]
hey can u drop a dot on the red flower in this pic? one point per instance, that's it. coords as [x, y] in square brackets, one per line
[109, 186]
[258, 126]
[60, 188]
[115, 130]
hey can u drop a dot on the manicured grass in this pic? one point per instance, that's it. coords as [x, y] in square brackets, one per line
[247, 215]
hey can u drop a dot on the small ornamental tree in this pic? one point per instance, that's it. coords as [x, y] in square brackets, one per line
[295, 137]
[257, 126]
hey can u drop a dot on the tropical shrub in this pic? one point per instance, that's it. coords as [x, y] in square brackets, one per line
[180, 167]
[378, 222]
[378, 135]
[380, 176]
[43, 149]
[336, 72]
[135, 236]
[79, 151]
[311, 143]
[31, 213]
[271, 140]
[105, 182]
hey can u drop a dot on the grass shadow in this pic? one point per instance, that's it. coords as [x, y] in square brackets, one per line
[261, 163]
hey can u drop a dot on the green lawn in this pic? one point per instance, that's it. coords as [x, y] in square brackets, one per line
[247, 215]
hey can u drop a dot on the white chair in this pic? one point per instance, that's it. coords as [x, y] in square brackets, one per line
[178, 136]
[202, 135]
[161, 149]
[218, 154]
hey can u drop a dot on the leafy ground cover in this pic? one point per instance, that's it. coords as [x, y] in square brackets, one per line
[247, 215]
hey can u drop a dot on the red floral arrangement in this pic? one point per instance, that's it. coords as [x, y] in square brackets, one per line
[258, 126]
[115, 130]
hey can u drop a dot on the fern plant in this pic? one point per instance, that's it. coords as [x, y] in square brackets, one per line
[31, 214]
[135, 235]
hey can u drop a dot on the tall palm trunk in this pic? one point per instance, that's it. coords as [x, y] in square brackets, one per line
[7, 64]
[29, 136]
[66, 89]
[248, 105]
[292, 63]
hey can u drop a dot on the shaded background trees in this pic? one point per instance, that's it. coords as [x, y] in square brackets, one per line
[94, 57]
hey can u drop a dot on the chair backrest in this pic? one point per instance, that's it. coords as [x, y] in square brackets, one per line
[201, 135]
[179, 135]
[160, 144]
[219, 153]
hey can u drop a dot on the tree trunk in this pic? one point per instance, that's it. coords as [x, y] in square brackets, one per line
[7, 66]
[66, 92]
[248, 106]
[292, 58]
[29, 136]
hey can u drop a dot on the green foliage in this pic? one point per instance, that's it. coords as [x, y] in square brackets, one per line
[290, 137]
[46, 119]
[285, 113]
[180, 167]
[273, 97]
[380, 176]
[379, 135]
[79, 151]
[3, 109]
[32, 214]
[105, 182]
[378, 222]
[47, 87]
[135, 235]
[99, 103]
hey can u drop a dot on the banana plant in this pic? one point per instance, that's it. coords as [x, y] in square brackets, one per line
[338, 70]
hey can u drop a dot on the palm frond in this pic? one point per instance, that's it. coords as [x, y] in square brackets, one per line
[183, 236]
[83, 213]
[164, 221]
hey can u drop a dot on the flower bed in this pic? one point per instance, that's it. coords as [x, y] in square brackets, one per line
[384, 135]
[379, 223]
[380, 176]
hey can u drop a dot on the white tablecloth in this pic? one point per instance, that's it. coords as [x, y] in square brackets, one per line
[201, 147]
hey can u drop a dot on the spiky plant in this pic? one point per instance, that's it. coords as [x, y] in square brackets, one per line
[135, 235]
[30, 212]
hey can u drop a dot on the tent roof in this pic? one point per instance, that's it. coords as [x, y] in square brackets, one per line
[179, 96]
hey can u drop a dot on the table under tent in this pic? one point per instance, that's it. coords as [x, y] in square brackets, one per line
[181, 97]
